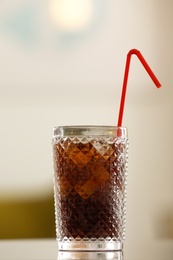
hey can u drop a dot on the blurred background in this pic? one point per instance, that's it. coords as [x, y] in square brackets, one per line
[61, 63]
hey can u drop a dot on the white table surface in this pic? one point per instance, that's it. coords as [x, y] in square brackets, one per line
[46, 249]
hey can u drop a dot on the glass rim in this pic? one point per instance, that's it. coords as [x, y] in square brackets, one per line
[90, 130]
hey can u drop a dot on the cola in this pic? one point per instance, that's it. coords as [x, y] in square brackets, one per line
[90, 180]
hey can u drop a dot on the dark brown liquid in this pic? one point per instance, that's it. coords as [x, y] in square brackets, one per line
[90, 181]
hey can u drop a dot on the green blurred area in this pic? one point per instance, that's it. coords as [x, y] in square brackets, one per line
[32, 218]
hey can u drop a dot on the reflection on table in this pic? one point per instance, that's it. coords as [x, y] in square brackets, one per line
[108, 255]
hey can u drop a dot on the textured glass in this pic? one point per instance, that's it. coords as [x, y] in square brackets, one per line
[90, 191]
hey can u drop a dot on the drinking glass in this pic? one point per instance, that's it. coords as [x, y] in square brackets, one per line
[90, 180]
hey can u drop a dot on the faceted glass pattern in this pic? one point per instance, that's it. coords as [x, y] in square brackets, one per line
[90, 189]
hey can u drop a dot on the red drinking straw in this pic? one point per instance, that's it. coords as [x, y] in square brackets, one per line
[126, 73]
